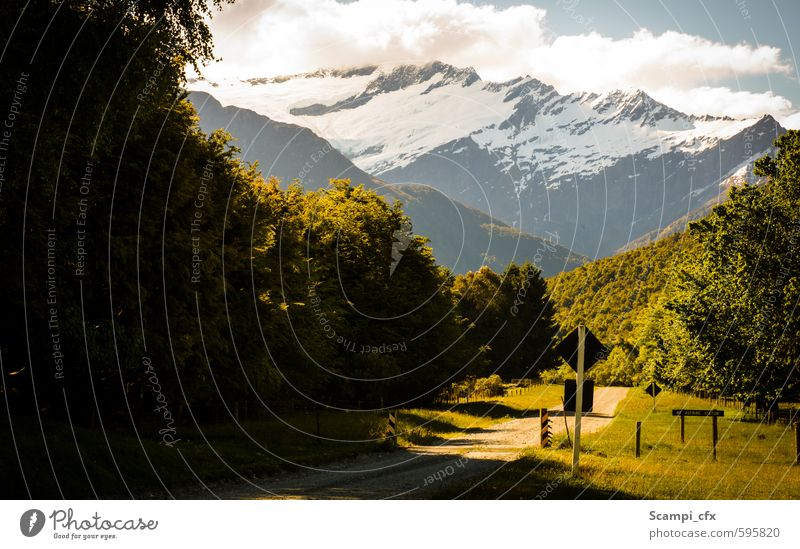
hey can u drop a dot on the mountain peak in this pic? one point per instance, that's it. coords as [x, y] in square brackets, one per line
[403, 76]
[636, 105]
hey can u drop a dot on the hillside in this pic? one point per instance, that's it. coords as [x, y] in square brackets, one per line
[607, 295]
[742, 176]
[462, 238]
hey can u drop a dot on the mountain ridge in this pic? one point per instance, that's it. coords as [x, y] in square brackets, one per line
[601, 169]
[462, 237]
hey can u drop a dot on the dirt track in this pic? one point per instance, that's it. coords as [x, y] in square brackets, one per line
[419, 472]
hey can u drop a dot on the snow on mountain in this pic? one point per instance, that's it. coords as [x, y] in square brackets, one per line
[385, 118]
[519, 149]
[462, 238]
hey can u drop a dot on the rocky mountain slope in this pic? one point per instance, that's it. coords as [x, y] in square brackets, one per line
[600, 170]
[462, 237]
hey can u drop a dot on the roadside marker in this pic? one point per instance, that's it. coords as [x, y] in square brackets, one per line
[653, 389]
[391, 432]
[797, 440]
[714, 435]
[545, 435]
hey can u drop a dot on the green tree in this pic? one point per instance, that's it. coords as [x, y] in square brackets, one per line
[736, 299]
[511, 320]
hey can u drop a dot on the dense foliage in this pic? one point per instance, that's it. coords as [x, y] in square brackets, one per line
[733, 319]
[150, 277]
[713, 309]
[616, 297]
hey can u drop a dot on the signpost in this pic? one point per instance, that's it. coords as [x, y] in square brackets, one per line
[581, 350]
[714, 414]
[653, 391]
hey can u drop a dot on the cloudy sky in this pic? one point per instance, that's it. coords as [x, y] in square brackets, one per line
[723, 57]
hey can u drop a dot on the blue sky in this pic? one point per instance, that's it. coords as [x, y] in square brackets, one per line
[723, 57]
[726, 21]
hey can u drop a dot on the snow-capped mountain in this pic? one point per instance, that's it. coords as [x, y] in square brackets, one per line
[462, 238]
[598, 169]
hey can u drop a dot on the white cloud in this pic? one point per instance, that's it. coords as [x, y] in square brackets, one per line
[287, 36]
[269, 37]
[791, 122]
[649, 61]
[723, 101]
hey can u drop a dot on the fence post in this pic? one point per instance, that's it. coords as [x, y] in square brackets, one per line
[797, 441]
[714, 435]
[638, 438]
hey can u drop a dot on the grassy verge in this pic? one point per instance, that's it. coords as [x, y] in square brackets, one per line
[754, 461]
[431, 425]
[89, 464]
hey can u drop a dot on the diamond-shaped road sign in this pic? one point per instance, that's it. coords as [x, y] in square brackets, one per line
[593, 352]
[652, 389]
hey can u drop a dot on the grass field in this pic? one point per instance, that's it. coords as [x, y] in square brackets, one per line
[754, 461]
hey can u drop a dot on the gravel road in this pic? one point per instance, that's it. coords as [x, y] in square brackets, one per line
[417, 472]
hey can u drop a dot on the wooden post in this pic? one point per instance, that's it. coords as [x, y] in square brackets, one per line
[797, 441]
[638, 438]
[714, 435]
[683, 429]
[576, 449]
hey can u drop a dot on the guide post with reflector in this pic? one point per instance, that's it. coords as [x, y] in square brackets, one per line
[391, 430]
[545, 434]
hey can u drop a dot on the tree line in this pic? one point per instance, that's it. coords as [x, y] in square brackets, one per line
[712, 310]
[150, 276]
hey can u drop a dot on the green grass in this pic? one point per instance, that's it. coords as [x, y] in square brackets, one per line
[220, 452]
[754, 461]
[431, 425]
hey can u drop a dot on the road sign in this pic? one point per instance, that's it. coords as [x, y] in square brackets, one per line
[714, 414]
[702, 413]
[570, 391]
[581, 350]
[594, 351]
[653, 389]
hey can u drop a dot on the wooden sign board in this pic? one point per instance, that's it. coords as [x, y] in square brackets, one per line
[701, 413]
